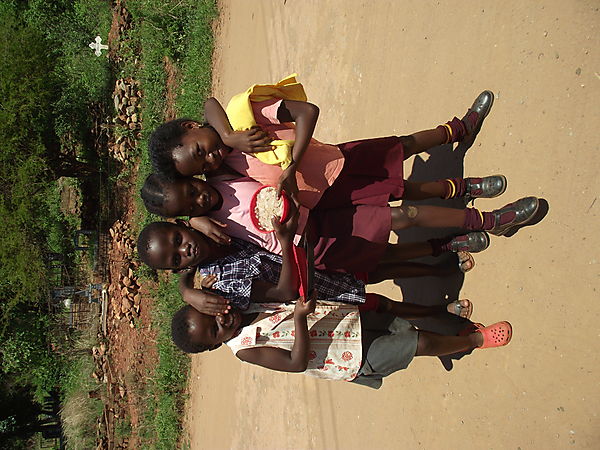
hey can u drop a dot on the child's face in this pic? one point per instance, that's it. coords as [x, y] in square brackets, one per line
[176, 247]
[214, 330]
[200, 150]
[189, 197]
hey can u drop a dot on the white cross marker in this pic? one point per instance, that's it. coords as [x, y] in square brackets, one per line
[98, 46]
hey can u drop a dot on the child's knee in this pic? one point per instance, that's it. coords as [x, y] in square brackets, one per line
[408, 142]
[405, 216]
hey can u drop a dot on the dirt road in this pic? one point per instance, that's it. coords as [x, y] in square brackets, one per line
[393, 67]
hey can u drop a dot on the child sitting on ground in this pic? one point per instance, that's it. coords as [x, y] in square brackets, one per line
[336, 342]
[359, 177]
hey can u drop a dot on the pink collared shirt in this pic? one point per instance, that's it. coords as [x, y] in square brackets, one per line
[235, 213]
[320, 165]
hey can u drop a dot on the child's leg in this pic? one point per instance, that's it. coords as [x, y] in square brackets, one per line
[404, 217]
[454, 130]
[469, 188]
[407, 311]
[499, 221]
[423, 140]
[433, 344]
[395, 253]
[426, 216]
[408, 270]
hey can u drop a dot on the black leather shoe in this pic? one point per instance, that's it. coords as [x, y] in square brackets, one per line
[474, 242]
[486, 187]
[478, 111]
[524, 210]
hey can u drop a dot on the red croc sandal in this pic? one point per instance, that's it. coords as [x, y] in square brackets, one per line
[496, 335]
[470, 328]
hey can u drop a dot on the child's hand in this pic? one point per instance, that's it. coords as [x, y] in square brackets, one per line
[285, 231]
[287, 182]
[206, 302]
[208, 281]
[211, 228]
[305, 307]
[253, 140]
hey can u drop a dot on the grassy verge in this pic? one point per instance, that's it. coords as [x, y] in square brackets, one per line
[181, 32]
[80, 410]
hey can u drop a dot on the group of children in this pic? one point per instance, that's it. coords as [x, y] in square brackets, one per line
[339, 196]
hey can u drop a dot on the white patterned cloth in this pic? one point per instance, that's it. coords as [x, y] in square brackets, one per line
[335, 338]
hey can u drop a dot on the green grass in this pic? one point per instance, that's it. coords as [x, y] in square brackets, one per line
[180, 30]
[161, 425]
[79, 412]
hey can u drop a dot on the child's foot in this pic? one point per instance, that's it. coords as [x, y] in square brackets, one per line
[514, 215]
[486, 187]
[474, 242]
[461, 308]
[496, 335]
[466, 262]
[477, 112]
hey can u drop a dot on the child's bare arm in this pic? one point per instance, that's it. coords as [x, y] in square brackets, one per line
[249, 141]
[282, 360]
[305, 115]
[211, 228]
[203, 301]
[287, 286]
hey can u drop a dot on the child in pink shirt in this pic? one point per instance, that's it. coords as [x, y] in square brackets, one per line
[220, 209]
[346, 187]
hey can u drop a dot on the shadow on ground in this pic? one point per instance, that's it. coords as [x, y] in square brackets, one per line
[443, 162]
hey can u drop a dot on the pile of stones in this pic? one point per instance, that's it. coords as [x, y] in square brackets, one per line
[127, 121]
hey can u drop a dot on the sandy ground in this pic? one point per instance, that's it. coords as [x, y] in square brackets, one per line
[394, 67]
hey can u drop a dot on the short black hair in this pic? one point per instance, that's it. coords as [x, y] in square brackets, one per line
[163, 140]
[143, 241]
[181, 327]
[153, 193]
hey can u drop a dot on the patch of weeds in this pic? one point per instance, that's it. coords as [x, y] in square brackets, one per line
[123, 428]
[163, 419]
[80, 406]
[196, 79]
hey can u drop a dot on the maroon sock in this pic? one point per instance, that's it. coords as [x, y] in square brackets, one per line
[448, 133]
[458, 129]
[489, 221]
[439, 246]
[454, 187]
[470, 120]
[474, 220]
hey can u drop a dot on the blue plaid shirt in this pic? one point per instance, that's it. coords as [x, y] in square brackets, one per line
[237, 271]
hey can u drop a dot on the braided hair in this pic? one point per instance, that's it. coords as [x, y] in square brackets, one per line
[153, 193]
